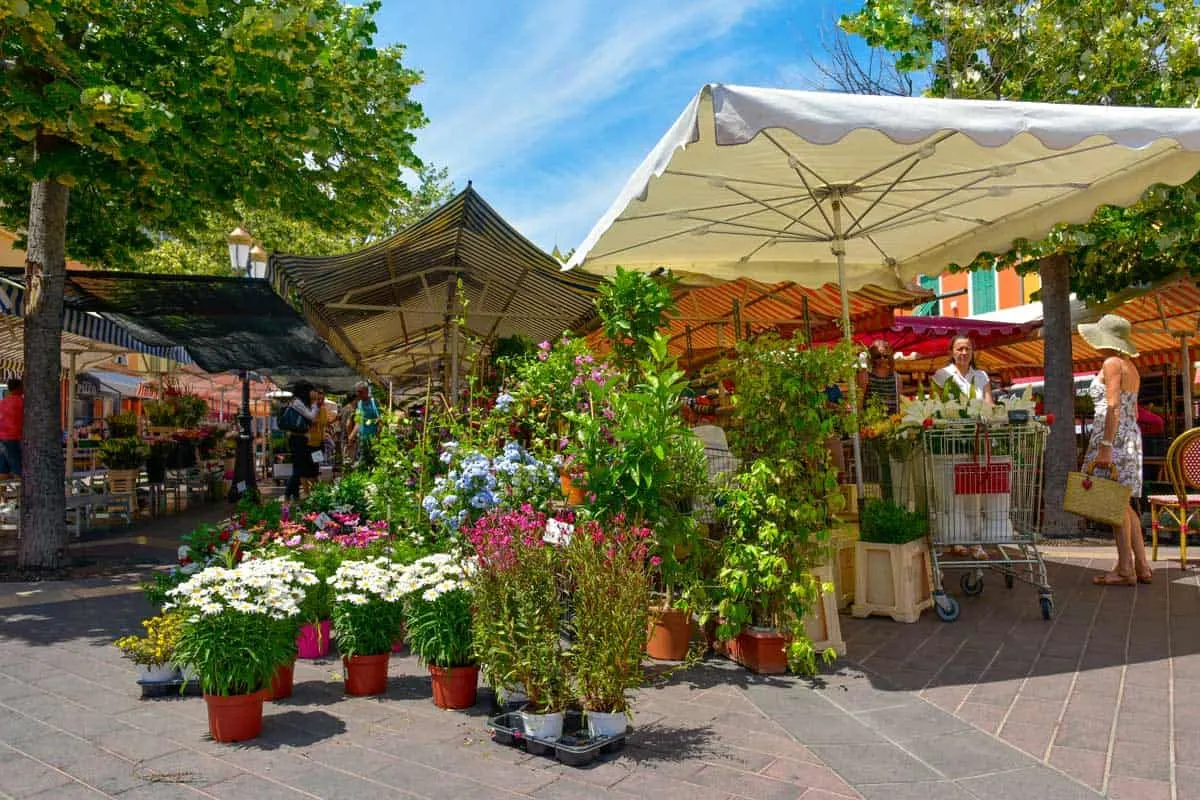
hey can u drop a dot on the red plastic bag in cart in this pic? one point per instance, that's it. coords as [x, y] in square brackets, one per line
[987, 478]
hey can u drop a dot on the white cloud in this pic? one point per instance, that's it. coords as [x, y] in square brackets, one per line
[564, 59]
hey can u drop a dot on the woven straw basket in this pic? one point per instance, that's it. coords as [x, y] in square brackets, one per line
[1095, 498]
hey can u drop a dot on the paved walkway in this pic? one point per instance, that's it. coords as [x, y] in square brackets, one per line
[997, 705]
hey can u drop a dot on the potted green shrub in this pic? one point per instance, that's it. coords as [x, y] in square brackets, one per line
[641, 460]
[122, 425]
[608, 569]
[367, 612]
[518, 615]
[437, 614]
[239, 627]
[779, 509]
[892, 574]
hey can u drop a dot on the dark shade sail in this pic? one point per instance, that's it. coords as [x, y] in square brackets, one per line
[223, 323]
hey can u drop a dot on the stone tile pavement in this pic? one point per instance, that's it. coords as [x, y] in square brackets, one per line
[1106, 693]
[997, 705]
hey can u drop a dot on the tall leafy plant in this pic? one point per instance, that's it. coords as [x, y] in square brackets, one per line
[779, 509]
[633, 307]
[640, 457]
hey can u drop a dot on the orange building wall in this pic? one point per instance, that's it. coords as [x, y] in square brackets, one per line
[11, 256]
[955, 282]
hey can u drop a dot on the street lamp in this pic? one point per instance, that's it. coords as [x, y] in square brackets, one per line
[246, 257]
[249, 260]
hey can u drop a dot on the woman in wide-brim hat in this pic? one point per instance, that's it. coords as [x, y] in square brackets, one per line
[1117, 439]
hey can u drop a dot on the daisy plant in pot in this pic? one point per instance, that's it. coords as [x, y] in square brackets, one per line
[609, 578]
[239, 626]
[437, 612]
[367, 611]
[518, 615]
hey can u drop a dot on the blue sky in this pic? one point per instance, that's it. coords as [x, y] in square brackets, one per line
[549, 105]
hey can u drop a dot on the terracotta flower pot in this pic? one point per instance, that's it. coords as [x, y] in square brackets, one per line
[576, 495]
[366, 675]
[282, 681]
[313, 641]
[454, 687]
[235, 718]
[669, 634]
[760, 650]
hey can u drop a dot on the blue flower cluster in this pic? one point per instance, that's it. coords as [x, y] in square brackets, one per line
[476, 484]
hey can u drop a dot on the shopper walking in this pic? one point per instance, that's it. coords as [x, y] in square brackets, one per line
[1117, 440]
[303, 467]
[12, 416]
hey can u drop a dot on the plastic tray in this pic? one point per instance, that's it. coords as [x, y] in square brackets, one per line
[575, 747]
[168, 688]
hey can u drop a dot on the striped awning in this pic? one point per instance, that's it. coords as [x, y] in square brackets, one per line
[389, 309]
[1162, 317]
[711, 319]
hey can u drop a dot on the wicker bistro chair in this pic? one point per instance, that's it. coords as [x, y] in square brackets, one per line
[1182, 507]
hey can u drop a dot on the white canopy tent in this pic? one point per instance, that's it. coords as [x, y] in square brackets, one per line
[815, 188]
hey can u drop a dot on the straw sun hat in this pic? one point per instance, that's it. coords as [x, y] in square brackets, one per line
[1109, 333]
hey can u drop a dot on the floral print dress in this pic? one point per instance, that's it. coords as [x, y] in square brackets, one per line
[1127, 444]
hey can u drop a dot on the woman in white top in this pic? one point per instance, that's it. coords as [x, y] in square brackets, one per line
[971, 381]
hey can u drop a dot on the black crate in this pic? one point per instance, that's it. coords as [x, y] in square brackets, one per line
[575, 747]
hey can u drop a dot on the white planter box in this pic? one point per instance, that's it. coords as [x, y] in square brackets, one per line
[892, 580]
[822, 624]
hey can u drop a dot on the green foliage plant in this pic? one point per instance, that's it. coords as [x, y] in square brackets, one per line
[779, 510]
[518, 609]
[886, 522]
[633, 307]
[638, 454]
[610, 576]
[122, 425]
[125, 453]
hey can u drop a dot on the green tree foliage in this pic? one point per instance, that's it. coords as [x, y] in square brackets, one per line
[1122, 52]
[201, 248]
[144, 116]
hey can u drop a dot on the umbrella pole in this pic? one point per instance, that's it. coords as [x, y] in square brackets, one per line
[839, 251]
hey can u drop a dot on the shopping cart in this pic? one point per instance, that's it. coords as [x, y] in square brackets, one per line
[983, 493]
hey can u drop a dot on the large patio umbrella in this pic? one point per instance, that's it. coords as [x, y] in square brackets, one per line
[815, 188]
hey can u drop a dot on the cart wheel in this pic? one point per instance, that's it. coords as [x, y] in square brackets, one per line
[1047, 604]
[971, 584]
[1008, 580]
[946, 607]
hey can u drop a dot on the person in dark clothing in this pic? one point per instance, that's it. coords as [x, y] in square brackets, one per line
[303, 466]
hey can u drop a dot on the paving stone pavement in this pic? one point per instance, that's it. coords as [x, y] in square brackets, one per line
[997, 705]
[1105, 693]
[72, 724]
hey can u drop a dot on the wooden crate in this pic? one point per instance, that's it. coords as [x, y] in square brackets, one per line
[823, 625]
[892, 580]
[844, 541]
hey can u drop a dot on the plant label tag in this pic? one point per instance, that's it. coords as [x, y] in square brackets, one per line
[323, 521]
[241, 486]
[318, 456]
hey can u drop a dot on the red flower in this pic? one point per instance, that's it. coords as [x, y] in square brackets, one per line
[928, 423]
[1049, 419]
[224, 536]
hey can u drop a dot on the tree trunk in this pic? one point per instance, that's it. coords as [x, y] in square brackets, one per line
[1059, 393]
[43, 498]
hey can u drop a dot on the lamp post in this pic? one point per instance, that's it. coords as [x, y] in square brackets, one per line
[249, 260]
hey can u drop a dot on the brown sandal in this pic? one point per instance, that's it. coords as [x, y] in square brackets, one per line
[1146, 577]
[1114, 579]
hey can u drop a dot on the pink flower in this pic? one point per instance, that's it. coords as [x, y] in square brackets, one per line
[655, 561]
[294, 541]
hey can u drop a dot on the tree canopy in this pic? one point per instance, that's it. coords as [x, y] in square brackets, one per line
[160, 114]
[1120, 52]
